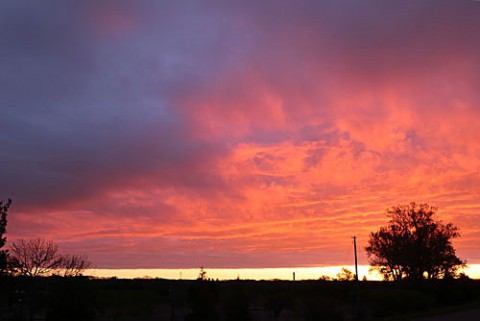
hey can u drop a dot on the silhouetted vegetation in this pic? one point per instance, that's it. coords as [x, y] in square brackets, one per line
[73, 265]
[345, 275]
[202, 275]
[36, 257]
[4, 206]
[39, 257]
[414, 245]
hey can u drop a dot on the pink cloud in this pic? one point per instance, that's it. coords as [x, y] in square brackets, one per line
[241, 135]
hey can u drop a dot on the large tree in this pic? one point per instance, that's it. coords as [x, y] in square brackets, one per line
[4, 206]
[414, 244]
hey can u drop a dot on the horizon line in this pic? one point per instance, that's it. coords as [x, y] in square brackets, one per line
[264, 273]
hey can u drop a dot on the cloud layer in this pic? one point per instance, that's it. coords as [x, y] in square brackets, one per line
[236, 134]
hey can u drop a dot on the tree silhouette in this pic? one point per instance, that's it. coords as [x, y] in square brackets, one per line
[35, 257]
[4, 206]
[73, 265]
[345, 275]
[202, 275]
[414, 244]
[39, 257]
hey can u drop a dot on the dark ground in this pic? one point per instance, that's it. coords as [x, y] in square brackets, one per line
[85, 299]
[465, 315]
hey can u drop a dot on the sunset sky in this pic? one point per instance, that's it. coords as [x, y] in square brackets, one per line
[236, 134]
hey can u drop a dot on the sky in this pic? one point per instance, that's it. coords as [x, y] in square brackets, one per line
[236, 134]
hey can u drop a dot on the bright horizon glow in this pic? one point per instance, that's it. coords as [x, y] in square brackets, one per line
[301, 273]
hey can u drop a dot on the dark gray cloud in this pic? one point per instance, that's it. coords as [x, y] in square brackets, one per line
[89, 94]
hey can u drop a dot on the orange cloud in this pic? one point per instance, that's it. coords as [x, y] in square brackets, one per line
[239, 135]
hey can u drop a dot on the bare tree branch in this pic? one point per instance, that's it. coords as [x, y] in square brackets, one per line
[74, 265]
[35, 257]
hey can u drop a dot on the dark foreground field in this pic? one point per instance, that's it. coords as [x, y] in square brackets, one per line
[84, 299]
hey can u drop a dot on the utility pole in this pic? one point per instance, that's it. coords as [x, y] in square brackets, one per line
[357, 293]
[356, 262]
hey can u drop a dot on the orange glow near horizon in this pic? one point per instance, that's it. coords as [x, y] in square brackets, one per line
[301, 273]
